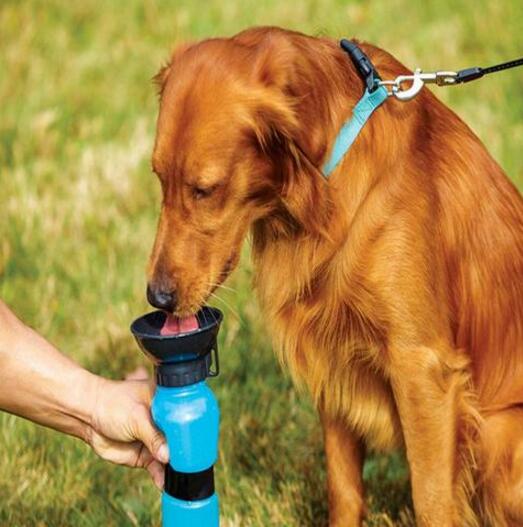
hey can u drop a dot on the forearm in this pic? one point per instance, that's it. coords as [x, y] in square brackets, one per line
[39, 383]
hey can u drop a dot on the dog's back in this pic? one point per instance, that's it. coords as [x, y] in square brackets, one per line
[481, 219]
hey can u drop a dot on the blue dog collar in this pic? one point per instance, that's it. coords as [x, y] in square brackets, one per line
[350, 130]
[373, 97]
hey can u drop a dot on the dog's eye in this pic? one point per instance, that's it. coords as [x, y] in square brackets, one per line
[200, 192]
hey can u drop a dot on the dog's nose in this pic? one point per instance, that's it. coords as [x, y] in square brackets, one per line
[162, 299]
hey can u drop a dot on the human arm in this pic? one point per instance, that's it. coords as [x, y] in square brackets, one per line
[39, 383]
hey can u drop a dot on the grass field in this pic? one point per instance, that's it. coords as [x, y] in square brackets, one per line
[78, 206]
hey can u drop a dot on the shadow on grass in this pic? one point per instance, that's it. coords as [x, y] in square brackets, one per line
[388, 491]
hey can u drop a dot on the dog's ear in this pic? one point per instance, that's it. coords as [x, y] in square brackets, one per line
[274, 62]
[303, 191]
[160, 79]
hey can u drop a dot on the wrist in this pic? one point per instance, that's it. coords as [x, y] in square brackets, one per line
[84, 401]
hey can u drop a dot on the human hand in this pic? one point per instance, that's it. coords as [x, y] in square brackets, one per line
[121, 429]
[41, 384]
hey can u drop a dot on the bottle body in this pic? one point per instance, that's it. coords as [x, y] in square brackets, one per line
[189, 418]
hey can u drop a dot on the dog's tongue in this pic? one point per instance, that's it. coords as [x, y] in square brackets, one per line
[174, 325]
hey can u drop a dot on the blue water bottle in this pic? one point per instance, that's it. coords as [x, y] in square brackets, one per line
[186, 411]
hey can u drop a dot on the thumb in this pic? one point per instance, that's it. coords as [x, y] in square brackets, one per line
[153, 439]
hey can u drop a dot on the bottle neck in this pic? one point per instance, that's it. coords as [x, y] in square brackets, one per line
[178, 374]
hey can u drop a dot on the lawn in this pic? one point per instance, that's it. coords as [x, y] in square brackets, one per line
[78, 207]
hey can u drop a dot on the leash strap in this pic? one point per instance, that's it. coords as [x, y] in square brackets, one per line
[470, 74]
[372, 98]
[419, 78]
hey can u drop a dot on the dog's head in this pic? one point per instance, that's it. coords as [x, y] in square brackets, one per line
[238, 142]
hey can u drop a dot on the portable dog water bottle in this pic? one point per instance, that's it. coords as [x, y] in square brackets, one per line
[186, 411]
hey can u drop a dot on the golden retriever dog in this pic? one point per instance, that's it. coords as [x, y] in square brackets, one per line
[393, 289]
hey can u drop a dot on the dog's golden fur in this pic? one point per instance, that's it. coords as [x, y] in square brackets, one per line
[393, 290]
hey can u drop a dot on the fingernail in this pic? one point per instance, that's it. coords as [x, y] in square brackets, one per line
[158, 481]
[163, 453]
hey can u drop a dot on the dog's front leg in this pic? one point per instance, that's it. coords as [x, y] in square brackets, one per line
[345, 455]
[428, 390]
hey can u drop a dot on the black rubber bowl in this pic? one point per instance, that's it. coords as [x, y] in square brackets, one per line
[164, 349]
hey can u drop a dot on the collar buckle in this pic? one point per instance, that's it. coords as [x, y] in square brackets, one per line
[362, 63]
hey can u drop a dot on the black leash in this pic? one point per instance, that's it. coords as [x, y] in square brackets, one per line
[420, 78]
[470, 74]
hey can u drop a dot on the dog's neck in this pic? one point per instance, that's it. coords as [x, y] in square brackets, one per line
[324, 87]
[324, 103]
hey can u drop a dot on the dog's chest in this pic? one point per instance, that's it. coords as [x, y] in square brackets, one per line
[339, 374]
[328, 346]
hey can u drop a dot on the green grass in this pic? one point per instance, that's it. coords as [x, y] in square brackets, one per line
[78, 207]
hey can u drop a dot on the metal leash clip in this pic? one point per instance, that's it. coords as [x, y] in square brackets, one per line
[417, 80]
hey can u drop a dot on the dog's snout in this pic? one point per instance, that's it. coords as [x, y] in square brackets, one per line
[161, 299]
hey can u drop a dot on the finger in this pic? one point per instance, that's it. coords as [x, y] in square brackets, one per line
[133, 454]
[156, 469]
[146, 388]
[129, 454]
[139, 374]
[157, 472]
[151, 437]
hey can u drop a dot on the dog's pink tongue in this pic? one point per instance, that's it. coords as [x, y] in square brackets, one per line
[174, 325]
